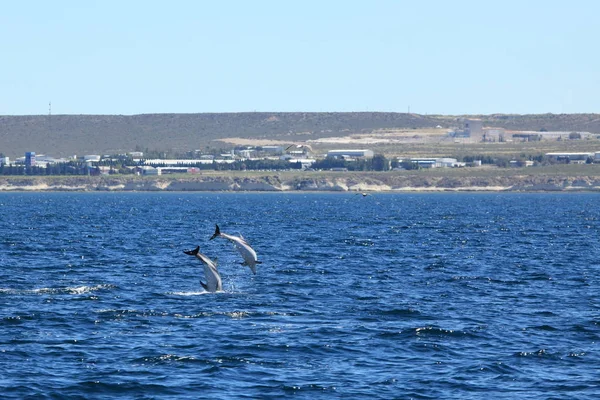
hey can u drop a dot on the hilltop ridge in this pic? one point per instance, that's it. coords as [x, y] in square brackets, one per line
[65, 135]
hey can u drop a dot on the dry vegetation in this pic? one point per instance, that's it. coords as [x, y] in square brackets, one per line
[387, 133]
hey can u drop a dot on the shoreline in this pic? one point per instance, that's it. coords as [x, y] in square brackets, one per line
[390, 182]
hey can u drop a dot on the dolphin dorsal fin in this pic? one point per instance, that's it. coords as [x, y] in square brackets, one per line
[245, 240]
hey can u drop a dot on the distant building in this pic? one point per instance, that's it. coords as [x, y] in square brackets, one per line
[474, 127]
[494, 135]
[4, 161]
[425, 162]
[91, 158]
[528, 137]
[350, 153]
[519, 163]
[148, 170]
[571, 157]
[296, 151]
[188, 162]
[30, 159]
[304, 162]
[469, 128]
[247, 153]
[104, 170]
[227, 156]
[43, 161]
[276, 150]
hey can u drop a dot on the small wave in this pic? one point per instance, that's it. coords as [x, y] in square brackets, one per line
[309, 387]
[439, 264]
[188, 293]
[237, 314]
[167, 358]
[432, 330]
[76, 290]
[436, 331]
[545, 354]
[540, 276]
[17, 319]
[200, 293]
[542, 353]
[400, 312]
[359, 242]
[429, 331]
[231, 314]
[121, 314]
[501, 369]
[87, 289]
[471, 278]
[546, 314]
[543, 328]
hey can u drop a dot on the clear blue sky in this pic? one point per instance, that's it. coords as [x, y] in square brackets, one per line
[436, 57]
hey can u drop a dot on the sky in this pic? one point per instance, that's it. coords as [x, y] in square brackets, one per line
[427, 57]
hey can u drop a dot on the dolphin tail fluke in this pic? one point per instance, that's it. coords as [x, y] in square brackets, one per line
[192, 252]
[217, 232]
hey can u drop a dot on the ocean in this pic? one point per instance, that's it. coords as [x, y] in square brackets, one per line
[388, 296]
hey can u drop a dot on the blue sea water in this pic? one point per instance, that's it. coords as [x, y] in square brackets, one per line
[422, 296]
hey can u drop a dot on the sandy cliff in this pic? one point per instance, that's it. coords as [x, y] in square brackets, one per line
[274, 182]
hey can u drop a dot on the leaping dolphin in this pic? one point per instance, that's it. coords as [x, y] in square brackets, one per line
[247, 252]
[213, 279]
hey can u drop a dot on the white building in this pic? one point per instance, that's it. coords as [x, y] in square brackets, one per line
[425, 162]
[276, 150]
[148, 170]
[572, 156]
[247, 153]
[172, 162]
[350, 153]
[91, 158]
[524, 163]
[298, 150]
[305, 162]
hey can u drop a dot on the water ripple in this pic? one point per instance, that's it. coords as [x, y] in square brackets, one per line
[422, 296]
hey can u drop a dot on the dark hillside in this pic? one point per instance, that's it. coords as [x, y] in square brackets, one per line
[65, 135]
[549, 122]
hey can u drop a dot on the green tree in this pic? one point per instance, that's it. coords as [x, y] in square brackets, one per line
[409, 165]
[380, 163]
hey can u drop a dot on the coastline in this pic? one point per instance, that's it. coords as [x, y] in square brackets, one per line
[469, 181]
